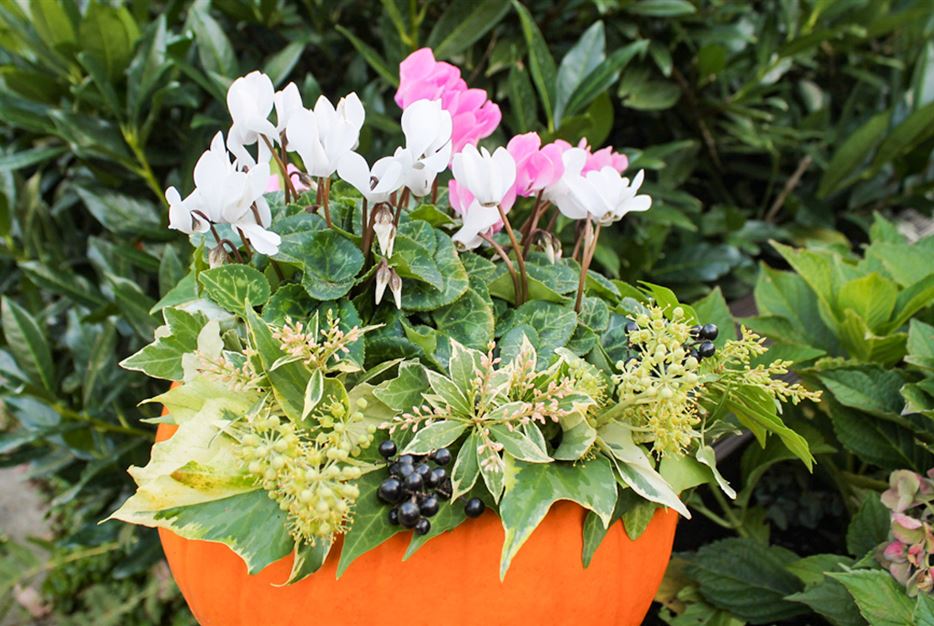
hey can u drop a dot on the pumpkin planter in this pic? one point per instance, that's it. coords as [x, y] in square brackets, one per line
[420, 413]
[546, 584]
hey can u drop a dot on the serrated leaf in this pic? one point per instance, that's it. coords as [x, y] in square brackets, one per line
[880, 599]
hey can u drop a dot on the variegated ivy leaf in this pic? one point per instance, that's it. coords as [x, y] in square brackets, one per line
[308, 560]
[466, 466]
[531, 489]
[438, 435]
[405, 391]
[196, 486]
[634, 468]
[577, 438]
[163, 357]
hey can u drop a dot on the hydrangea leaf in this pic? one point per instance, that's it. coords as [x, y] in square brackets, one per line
[531, 489]
[330, 263]
[163, 357]
[232, 286]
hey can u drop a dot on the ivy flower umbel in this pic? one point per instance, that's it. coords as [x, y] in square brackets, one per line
[658, 388]
[306, 477]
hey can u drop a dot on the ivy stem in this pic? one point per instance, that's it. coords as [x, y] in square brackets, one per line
[505, 257]
[521, 293]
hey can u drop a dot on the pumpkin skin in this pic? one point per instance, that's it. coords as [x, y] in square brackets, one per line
[453, 579]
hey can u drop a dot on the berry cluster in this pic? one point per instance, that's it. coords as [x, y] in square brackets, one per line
[701, 347]
[415, 489]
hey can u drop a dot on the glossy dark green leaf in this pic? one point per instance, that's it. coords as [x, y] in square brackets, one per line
[28, 343]
[463, 23]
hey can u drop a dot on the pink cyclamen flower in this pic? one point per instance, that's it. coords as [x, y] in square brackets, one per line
[275, 180]
[473, 115]
[537, 167]
[596, 161]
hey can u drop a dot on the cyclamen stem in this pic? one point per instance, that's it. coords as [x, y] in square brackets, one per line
[434, 192]
[530, 225]
[523, 285]
[246, 244]
[364, 222]
[586, 258]
[324, 185]
[288, 187]
[505, 257]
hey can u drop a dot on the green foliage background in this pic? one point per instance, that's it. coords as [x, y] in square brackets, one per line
[781, 119]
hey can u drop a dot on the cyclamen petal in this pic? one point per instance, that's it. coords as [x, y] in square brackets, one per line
[263, 241]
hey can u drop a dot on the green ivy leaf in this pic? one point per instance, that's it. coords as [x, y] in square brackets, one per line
[371, 525]
[404, 391]
[531, 489]
[554, 324]
[308, 560]
[234, 287]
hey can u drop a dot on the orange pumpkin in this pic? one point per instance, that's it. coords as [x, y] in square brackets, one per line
[453, 579]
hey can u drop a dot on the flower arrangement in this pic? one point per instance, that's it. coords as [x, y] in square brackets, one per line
[500, 374]
[907, 555]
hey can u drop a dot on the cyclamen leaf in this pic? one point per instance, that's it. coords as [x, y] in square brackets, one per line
[233, 286]
[532, 488]
[438, 435]
[417, 296]
[469, 320]
[331, 264]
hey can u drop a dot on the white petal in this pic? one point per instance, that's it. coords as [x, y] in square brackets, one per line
[504, 167]
[420, 125]
[263, 241]
[351, 110]
[288, 101]
[353, 168]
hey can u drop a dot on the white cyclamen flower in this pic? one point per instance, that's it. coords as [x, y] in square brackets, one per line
[375, 184]
[225, 194]
[322, 137]
[608, 196]
[488, 178]
[181, 217]
[560, 193]
[250, 100]
[288, 102]
[427, 152]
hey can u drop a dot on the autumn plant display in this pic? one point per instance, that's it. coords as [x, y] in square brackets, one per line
[369, 348]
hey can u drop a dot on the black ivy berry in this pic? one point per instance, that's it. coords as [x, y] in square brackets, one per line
[394, 516]
[387, 448]
[474, 507]
[409, 514]
[413, 482]
[696, 330]
[706, 349]
[631, 327]
[422, 527]
[407, 459]
[406, 469]
[710, 331]
[390, 490]
[436, 477]
[442, 456]
[423, 469]
[429, 506]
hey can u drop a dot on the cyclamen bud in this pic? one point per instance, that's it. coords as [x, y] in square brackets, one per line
[218, 256]
[385, 229]
[383, 275]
